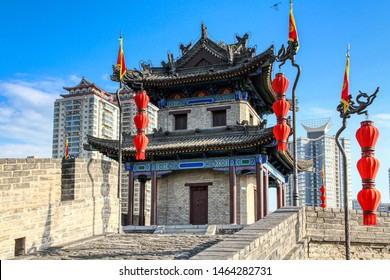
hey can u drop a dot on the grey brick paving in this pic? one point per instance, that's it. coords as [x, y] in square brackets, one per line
[133, 247]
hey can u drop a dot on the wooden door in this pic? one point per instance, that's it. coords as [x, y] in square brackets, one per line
[199, 205]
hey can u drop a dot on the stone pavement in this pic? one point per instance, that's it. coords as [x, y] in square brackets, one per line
[132, 247]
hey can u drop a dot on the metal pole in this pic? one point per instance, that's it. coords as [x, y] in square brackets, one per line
[120, 160]
[294, 119]
[345, 182]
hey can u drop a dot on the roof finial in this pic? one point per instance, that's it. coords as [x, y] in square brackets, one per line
[204, 31]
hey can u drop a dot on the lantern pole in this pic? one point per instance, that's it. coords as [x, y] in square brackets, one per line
[120, 158]
[352, 109]
[283, 55]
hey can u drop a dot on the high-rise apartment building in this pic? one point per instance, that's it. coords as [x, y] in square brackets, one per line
[88, 109]
[85, 109]
[322, 150]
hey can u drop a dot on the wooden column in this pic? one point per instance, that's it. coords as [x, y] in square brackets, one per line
[284, 195]
[233, 195]
[265, 194]
[279, 197]
[142, 202]
[130, 199]
[153, 208]
[259, 191]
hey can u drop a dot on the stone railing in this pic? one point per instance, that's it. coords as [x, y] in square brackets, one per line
[307, 233]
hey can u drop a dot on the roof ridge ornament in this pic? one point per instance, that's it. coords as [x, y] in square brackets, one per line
[204, 31]
[185, 49]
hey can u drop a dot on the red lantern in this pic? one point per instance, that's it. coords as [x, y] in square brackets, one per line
[281, 107]
[367, 135]
[369, 197]
[323, 196]
[368, 167]
[140, 143]
[280, 84]
[141, 121]
[281, 132]
[141, 99]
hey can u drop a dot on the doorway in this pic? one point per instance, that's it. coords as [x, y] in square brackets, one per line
[199, 205]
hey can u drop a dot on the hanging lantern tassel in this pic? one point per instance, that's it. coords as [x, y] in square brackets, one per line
[281, 107]
[369, 197]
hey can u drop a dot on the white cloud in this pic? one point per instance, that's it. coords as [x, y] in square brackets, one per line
[26, 114]
[74, 78]
[321, 112]
[381, 120]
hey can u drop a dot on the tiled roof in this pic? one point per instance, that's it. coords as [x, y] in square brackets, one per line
[195, 141]
[162, 75]
[234, 137]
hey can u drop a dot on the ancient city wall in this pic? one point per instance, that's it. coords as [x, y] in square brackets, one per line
[271, 238]
[325, 230]
[309, 233]
[48, 202]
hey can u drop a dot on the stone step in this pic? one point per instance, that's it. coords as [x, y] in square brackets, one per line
[139, 229]
[182, 229]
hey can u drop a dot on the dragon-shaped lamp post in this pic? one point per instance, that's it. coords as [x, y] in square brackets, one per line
[359, 108]
[283, 55]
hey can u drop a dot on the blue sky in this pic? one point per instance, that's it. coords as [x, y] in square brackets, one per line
[46, 45]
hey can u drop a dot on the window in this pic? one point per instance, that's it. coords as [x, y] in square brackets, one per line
[219, 118]
[180, 121]
[180, 118]
[219, 115]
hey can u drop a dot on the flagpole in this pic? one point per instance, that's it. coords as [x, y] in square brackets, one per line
[122, 67]
[346, 108]
[120, 159]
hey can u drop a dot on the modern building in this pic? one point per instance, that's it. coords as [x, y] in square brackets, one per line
[85, 109]
[89, 110]
[322, 150]
[212, 159]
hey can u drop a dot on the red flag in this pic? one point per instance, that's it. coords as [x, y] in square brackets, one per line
[121, 60]
[345, 91]
[292, 30]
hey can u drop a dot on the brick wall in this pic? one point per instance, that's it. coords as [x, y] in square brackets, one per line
[273, 237]
[309, 233]
[325, 227]
[201, 118]
[174, 197]
[48, 202]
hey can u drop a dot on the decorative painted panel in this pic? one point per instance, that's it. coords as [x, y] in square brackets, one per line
[196, 100]
[220, 164]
